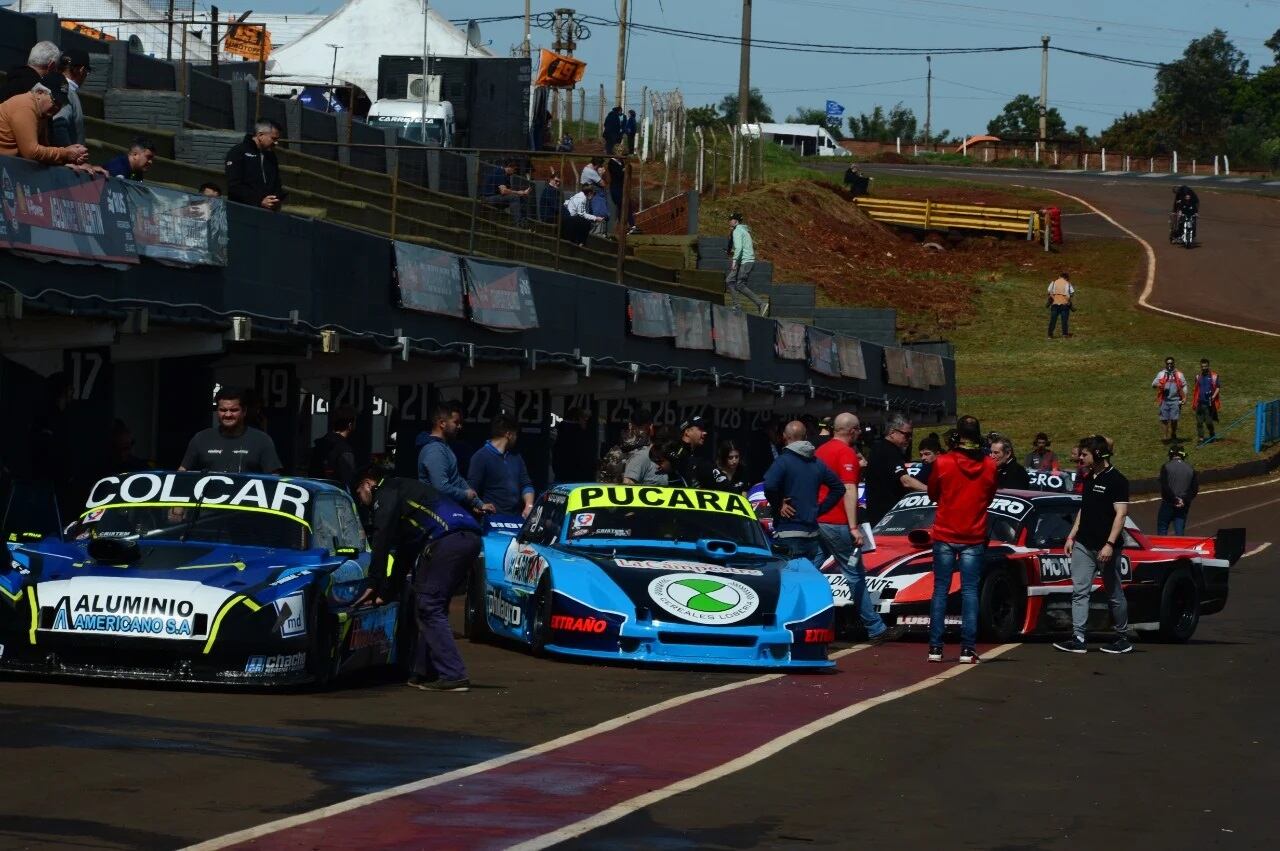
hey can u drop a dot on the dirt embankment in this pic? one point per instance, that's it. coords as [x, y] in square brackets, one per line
[812, 232]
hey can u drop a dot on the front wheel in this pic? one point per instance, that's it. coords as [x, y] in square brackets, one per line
[1001, 603]
[475, 620]
[1179, 607]
[322, 651]
[540, 617]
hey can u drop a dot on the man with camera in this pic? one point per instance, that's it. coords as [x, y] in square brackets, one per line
[1059, 302]
[1171, 394]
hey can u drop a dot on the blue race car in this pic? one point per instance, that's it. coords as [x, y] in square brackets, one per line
[650, 574]
[196, 577]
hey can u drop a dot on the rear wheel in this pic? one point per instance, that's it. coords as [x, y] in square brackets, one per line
[1001, 602]
[540, 616]
[475, 622]
[1179, 607]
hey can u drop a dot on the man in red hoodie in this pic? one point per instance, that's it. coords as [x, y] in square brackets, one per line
[962, 483]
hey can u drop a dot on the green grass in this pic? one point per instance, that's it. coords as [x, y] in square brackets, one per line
[1015, 380]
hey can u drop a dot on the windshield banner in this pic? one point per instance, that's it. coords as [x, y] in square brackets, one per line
[177, 228]
[429, 280]
[182, 489]
[692, 323]
[622, 496]
[500, 296]
[729, 331]
[649, 314]
[61, 213]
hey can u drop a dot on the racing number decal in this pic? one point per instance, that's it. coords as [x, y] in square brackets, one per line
[415, 403]
[529, 406]
[348, 391]
[86, 365]
[275, 385]
[480, 404]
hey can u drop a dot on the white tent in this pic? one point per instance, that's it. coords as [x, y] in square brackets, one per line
[365, 30]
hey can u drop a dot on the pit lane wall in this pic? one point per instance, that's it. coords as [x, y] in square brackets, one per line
[309, 314]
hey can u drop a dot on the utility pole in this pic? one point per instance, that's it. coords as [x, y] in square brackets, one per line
[744, 64]
[564, 27]
[1044, 87]
[333, 72]
[168, 51]
[528, 45]
[622, 52]
[426, 86]
[928, 102]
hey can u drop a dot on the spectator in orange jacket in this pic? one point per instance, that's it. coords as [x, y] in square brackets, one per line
[1206, 400]
[1171, 395]
[24, 125]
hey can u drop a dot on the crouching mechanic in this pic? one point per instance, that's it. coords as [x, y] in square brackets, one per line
[410, 517]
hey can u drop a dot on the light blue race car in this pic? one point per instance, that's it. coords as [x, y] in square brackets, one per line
[650, 574]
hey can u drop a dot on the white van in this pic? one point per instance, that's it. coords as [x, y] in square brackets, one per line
[808, 140]
[406, 117]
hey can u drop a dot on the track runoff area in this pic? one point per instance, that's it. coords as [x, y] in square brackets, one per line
[1170, 746]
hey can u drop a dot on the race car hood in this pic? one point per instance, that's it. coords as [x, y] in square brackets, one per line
[738, 591]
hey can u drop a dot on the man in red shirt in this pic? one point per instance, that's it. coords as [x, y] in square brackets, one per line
[838, 528]
[963, 483]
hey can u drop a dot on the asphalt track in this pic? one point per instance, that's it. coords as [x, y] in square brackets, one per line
[1169, 747]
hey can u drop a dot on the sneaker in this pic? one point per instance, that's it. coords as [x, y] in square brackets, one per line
[969, 656]
[447, 685]
[1120, 645]
[892, 633]
[1075, 645]
[935, 653]
[764, 311]
[417, 681]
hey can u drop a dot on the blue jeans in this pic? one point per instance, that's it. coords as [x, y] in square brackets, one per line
[838, 542]
[1063, 312]
[810, 548]
[1171, 514]
[944, 565]
[441, 569]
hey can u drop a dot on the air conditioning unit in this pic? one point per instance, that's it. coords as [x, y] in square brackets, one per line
[414, 87]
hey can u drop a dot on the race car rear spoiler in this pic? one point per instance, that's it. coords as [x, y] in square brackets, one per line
[1228, 545]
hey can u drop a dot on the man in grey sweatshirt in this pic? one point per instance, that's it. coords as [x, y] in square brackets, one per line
[438, 466]
[1178, 486]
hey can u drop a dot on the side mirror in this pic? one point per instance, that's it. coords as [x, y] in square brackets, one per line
[921, 539]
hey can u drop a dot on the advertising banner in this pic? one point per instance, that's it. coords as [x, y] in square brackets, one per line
[692, 323]
[62, 213]
[916, 370]
[824, 355]
[729, 331]
[788, 339]
[931, 366]
[429, 280]
[649, 314]
[895, 363]
[852, 364]
[177, 228]
[500, 296]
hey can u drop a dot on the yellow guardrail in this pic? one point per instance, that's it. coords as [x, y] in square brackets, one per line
[929, 215]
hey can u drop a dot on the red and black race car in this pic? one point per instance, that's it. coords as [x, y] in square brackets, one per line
[1170, 582]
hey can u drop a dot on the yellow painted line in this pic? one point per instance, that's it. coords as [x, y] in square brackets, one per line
[12, 596]
[238, 565]
[35, 614]
[217, 621]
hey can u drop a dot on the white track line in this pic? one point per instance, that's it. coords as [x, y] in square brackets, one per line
[278, 825]
[1256, 550]
[1256, 505]
[745, 761]
[1216, 490]
[1144, 299]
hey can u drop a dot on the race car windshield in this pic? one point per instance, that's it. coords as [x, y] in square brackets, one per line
[902, 520]
[664, 524]
[211, 524]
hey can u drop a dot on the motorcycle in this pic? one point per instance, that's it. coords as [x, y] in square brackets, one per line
[1187, 230]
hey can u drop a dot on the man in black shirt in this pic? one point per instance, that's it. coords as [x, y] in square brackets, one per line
[332, 456]
[232, 447]
[253, 174]
[1095, 545]
[886, 476]
[687, 461]
[499, 190]
[1009, 473]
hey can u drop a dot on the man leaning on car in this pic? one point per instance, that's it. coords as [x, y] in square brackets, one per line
[1094, 546]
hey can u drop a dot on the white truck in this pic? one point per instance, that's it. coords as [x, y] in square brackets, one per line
[808, 140]
[407, 118]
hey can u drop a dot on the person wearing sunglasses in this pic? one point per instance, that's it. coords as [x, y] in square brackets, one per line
[886, 476]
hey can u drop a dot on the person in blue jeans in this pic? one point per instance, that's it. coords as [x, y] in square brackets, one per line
[962, 483]
[792, 484]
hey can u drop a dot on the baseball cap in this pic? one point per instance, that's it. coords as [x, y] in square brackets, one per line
[57, 84]
[693, 422]
[737, 216]
[76, 58]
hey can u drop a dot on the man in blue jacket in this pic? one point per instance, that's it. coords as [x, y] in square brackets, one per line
[791, 485]
[498, 474]
[438, 466]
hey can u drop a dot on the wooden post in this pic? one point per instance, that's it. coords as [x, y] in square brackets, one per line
[620, 227]
[560, 210]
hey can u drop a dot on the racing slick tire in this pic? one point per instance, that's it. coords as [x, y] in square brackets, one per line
[540, 617]
[1001, 605]
[322, 651]
[475, 624]
[406, 629]
[1179, 607]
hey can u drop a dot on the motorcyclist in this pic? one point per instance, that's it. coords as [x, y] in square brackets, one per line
[1185, 203]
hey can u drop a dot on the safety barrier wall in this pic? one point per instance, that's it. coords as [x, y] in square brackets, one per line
[929, 215]
[1266, 428]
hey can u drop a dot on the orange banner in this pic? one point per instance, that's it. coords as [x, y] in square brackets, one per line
[559, 72]
[88, 31]
[243, 42]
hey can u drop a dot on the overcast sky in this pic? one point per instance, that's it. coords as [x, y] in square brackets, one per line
[967, 90]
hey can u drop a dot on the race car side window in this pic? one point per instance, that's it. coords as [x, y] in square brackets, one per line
[326, 530]
[350, 532]
[543, 523]
[1052, 527]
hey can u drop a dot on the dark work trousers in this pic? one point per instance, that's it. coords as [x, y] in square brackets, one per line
[441, 569]
[1062, 311]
